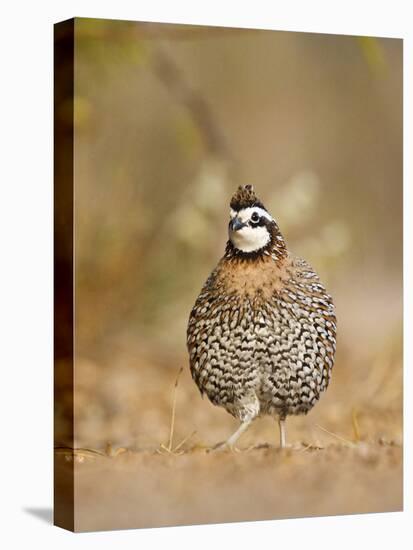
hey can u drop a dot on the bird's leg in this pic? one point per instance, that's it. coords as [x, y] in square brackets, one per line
[281, 423]
[230, 442]
[247, 409]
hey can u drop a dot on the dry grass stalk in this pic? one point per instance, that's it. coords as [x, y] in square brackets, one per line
[343, 439]
[356, 425]
[80, 454]
[170, 449]
[171, 432]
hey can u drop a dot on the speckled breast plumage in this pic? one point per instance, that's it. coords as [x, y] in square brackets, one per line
[262, 336]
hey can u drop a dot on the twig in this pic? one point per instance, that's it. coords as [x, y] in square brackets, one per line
[177, 85]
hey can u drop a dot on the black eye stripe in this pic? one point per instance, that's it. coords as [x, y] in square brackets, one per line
[262, 222]
[255, 220]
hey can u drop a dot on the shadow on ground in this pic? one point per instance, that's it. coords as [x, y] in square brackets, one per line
[44, 514]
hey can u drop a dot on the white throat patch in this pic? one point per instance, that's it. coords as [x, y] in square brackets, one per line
[250, 238]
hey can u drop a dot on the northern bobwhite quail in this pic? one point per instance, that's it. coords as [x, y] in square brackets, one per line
[262, 333]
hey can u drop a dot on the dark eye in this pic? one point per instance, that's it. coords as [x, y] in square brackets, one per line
[255, 217]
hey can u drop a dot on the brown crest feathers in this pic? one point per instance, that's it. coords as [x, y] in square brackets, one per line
[245, 197]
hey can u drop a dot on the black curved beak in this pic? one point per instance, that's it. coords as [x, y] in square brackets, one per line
[236, 224]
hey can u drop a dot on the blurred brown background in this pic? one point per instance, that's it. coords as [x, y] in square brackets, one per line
[168, 121]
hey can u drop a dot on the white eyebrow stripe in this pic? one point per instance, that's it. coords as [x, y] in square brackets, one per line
[246, 213]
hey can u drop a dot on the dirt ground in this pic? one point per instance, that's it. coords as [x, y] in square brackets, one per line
[152, 489]
[345, 456]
